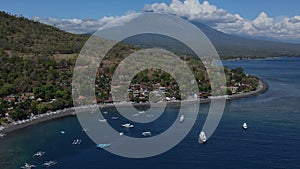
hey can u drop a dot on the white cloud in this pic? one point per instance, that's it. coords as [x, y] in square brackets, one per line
[81, 26]
[279, 28]
[284, 28]
[263, 22]
[193, 10]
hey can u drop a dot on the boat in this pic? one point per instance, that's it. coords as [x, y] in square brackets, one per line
[146, 133]
[102, 145]
[115, 118]
[76, 142]
[128, 125]
[202, 137]
[2, 135]
[149, 115]
[102, 120]
[49, 163]
[181, 119]
[105, 112]
[245, 127]
[62, 132]
[136, 114]
[141, 112]
[27, 166]
[121, 133]
[2, 128]
[85, 130]
[38, 154]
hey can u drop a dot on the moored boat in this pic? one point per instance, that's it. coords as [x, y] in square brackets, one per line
[245, 126]
[128, 125]
[102, 120]
[103, 145]
[76, 142]
[115, 118]
[28, 166]
[202, 137]
[49, 163]
[2, 135]
[146, 133]
[38, 154]
[181, 119]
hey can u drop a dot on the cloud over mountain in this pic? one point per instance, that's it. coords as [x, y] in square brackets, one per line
[279, 28]
[282, 28]
[81, 26]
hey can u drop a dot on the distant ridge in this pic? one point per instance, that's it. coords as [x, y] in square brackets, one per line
[236, 46]
[228, 46]
[21, 35]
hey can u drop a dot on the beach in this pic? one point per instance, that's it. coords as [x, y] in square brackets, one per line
[262, 87]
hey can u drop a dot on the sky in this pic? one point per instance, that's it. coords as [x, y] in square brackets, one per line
[274, 19]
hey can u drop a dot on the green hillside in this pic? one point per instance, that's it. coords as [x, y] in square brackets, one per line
[21, 35]
[36, 70]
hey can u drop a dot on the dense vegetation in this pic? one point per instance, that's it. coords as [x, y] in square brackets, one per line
[20, 35]
[33, 79]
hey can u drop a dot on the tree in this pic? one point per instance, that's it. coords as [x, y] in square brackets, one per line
[38, 92]
[6, 89]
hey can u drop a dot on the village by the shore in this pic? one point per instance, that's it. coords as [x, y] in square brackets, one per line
[7, 128]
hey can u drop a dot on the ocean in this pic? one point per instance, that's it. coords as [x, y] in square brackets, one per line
[272, 140]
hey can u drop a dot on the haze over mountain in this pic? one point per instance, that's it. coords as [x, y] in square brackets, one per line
[236, 46]
[228, 46]
[27, 36]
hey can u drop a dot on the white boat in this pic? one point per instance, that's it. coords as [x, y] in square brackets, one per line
[62, 132]
[103, 145]
[149, 115]
[38, 154]
[102, 120]
[76, 142]
[115, 118]
[202, 137]
[121, 133]
[245, 127]
[146, 133]
[181, 119]
[49, 163]
[2, 135]
[141, 112]
[27, 166]
[85, 130]
[136, 114]
[128, 125]
[2, 128]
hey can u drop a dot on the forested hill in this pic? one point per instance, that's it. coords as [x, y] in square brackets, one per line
[21, 35]
[36, 71]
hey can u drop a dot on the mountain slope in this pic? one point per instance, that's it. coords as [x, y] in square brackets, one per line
[228, 46]
[22, 35]
[235, 46]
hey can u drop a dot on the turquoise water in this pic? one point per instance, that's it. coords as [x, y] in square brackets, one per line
[272, 140]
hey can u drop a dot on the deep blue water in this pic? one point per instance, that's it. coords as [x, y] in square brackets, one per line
[271, 142]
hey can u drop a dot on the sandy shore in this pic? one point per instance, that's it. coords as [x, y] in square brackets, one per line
[263, 87]
[12, 127]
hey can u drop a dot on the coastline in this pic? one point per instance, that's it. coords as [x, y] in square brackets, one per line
[256, 58]
[262, 87]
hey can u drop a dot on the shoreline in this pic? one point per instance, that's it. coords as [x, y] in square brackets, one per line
[9, 128]
[256, 58]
